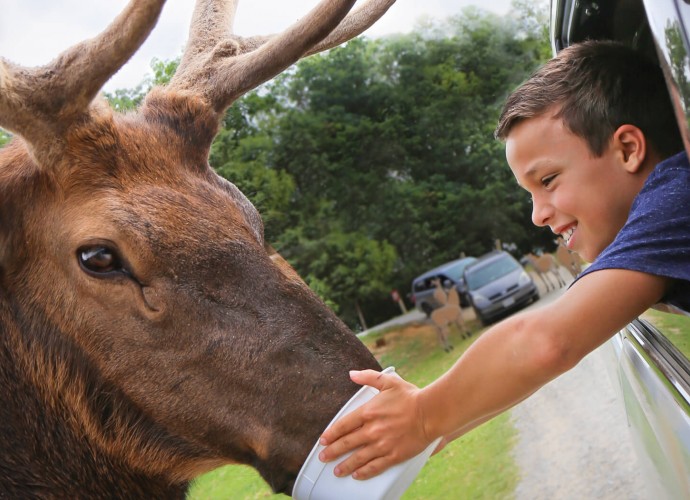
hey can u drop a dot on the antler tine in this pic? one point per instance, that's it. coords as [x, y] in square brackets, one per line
[354, 24]
[212, 23]
[230, 68]
[41, 103]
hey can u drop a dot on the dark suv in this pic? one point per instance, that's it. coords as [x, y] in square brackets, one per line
[449, 275]
[650, 357]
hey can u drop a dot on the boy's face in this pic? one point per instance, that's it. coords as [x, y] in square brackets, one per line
[582, 198]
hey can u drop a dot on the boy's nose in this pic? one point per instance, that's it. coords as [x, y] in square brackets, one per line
[541, 212]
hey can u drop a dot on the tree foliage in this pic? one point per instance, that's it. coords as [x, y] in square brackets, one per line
[126, 99]
[376, 161]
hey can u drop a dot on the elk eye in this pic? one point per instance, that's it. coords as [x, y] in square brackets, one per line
[99, 260]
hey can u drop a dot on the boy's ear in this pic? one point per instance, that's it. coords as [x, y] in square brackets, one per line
[631, 143]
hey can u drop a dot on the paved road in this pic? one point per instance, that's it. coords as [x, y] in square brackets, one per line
[574, 442]
[412, 315]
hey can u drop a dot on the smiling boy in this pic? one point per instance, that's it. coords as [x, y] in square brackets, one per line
[592, 137]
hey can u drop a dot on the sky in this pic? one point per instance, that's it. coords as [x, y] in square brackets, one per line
[33, 32]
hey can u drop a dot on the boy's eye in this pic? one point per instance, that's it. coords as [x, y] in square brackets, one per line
[545, 181]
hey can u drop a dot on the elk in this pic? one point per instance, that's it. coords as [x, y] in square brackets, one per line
[148, 333]
[449, 312]
[546, 267]
[569, 260]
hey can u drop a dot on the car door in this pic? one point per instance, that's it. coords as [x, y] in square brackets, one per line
[650, 358]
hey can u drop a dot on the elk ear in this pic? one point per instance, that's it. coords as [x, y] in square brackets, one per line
[193, 124]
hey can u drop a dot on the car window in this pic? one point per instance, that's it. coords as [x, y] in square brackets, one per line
[428, 283]
[481, 275]
[455, 272]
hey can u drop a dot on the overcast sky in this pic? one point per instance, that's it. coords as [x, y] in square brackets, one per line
[33, 32]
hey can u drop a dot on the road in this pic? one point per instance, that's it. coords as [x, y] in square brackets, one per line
[573, 437]
[412, 315]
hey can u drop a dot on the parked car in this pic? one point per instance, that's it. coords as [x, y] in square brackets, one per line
[649, 358]
[450, 275]
[498, 285]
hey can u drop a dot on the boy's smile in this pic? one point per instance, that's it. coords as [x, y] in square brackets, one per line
[585, 199]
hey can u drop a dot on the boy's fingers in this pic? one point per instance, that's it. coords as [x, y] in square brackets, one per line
[361, 458]
[341, 446]
[372, 468]
[345, 425]
[371, 378]
[354, 420]
[359, 432]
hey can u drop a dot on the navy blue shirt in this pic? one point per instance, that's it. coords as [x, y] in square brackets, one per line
[656, 237]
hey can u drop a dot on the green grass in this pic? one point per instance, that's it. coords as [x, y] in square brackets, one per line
[477, 466]
[231, 482]
[675, 327]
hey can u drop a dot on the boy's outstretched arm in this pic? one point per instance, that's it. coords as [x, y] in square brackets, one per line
[506, 364]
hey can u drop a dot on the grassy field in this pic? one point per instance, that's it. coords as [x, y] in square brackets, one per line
[476, 466]
[675, 327]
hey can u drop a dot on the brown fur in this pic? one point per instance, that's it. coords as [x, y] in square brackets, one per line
[449, 312]
[201, 348]
[546, 268]
[570, 260]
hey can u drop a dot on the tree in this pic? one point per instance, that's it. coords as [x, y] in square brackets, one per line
[392, 140]
[125, 99]
[346, 268]
[376, 161]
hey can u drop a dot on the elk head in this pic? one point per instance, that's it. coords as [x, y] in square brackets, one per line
[139, 302]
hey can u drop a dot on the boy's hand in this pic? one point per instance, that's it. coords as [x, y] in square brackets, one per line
[385, 431]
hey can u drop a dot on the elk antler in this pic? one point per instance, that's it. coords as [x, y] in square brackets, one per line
[354, 24]
[220, 66]
[41, 103]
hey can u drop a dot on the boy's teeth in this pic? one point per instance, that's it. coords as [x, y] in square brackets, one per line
[567, 234]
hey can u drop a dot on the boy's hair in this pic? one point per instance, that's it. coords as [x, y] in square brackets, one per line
[595, 87]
